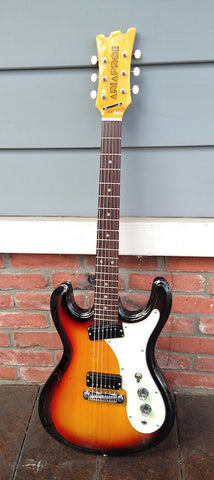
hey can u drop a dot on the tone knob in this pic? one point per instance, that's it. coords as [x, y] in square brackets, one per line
[142, 393]
[145, 409]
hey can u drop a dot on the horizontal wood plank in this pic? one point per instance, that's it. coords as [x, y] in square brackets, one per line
[52, 109]
[155, 182]
[45, 33]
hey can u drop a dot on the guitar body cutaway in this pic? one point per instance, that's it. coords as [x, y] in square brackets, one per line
[107, 394]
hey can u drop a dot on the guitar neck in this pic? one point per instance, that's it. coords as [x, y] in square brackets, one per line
[107, 250]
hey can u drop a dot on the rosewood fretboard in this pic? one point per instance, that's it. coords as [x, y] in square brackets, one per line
[107, 251]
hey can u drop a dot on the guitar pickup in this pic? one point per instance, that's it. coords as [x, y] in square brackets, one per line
[106, 331]
[103, 380]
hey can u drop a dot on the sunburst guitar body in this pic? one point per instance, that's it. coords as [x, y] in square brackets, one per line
[107, 394]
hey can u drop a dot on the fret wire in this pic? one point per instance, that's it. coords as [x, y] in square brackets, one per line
[109, 196]
[110, 294]
[107, 250]
[108, 240]
[103, 257]
[105, 266]
[110, 250]
[104, 273]
[104, 304]
[109, 314]
[110, 208]
[107, 230]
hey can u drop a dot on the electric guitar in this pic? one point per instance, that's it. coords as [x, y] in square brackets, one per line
[107, 394]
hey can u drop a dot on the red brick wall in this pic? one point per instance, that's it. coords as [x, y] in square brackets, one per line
[30, 346]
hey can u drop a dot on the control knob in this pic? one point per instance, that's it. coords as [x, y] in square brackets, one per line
[145, 409]
[142, 393]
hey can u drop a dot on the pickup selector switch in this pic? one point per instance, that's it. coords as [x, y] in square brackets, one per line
[142, 393]
[145, 409]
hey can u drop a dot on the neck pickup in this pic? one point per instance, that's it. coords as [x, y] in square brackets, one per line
[105, 331]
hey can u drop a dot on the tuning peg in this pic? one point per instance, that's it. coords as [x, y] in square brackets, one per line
[94, 60]
[137, 54]
[136, 71]
[135, 89]
[93, 94]
[93, 77]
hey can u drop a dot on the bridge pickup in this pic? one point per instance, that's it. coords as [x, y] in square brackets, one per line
[103, 380]
[106, 331]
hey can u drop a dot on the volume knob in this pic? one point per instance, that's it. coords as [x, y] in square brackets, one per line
[142, 393]
[145, 409]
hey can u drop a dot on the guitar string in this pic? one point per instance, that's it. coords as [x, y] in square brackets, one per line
[102, 253]
[108, 179]
[103, 242]
[96, 324]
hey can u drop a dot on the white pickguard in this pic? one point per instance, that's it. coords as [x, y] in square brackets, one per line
[130, 351]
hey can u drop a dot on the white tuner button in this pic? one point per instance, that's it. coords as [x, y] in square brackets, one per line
[93, 77]
[137, 54]
[136, 71]
[94, 60]
[93, 94]
[135, 89]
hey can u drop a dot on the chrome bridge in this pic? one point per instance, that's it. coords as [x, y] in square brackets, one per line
[106, 397]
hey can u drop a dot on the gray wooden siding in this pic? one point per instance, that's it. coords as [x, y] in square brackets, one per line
[50, 129]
